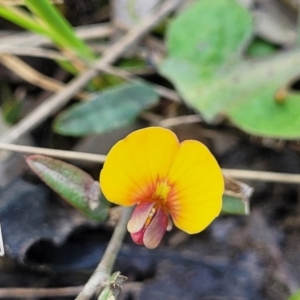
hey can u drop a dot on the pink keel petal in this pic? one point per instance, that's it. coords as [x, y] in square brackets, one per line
[156, 230]
[137, 237]
[139, 216]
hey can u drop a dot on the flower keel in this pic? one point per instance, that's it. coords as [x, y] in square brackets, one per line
[154, 224]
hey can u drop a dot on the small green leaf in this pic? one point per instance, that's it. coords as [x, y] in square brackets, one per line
[12, 111]
[73, 184]
[234, 205]
[260, 48]
[111, 109]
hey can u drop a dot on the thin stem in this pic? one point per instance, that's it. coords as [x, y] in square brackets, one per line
[171, 122]
[31, 75]
[1, 243]
[82, 156]
[29, 293]
[99, 158]
[28, 39]
[32, 51]
[161, 90]
[21, 2]
[103, 271]
[263, 176]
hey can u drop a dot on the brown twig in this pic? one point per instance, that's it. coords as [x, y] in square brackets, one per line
[32, 51]
[98, 158]
[161, 90]
[171, 122]
[55, 102]
[39, 292]
[72, 155]
[31, 75]
[33, 40]
[263, 176]
[22, 2]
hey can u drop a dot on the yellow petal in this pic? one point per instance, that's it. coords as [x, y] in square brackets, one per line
[197, 187]
[134, 164]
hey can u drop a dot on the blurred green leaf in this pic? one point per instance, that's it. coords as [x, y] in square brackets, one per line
[11, 107]
[113, 108]
[295, 296]
[132, 63]
[12, 111]
[234, 205]
[260, 48]
[73, 184]
[207, 36]
[210, 73]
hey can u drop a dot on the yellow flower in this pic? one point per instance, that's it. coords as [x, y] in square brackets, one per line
[162, 177]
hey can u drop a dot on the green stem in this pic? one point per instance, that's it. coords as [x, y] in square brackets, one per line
[59, 27]
[100, 277]
[21, 18]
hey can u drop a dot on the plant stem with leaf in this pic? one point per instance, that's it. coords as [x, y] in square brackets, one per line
[100, 277]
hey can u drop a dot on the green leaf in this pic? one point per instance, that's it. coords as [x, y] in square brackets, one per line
[234, 205]
[73, 184]
[207, 35]
[251, 94]
[22, 18]
[113, 108]
[260, 48]
[295, 296]
[12, 111]
[247, 95]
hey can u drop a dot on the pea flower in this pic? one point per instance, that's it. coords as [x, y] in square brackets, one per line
[166, 180]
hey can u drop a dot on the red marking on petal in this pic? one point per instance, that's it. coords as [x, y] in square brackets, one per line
[155, 230]
[139, 216]
[137, 237]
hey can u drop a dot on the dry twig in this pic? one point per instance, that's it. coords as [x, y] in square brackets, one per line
[31, 75]
[263, 176]
[28, 39]
[161, 90]
[27, 293]
[22, 2]
[179, 120]
[71, 155]
[98, 158]
[32, 51]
